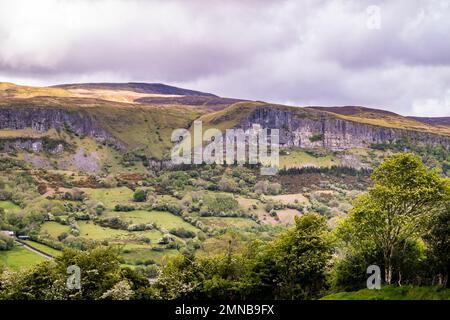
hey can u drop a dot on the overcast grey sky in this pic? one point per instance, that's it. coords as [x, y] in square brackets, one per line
[295, 52]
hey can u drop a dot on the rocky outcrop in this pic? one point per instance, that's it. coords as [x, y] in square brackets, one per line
[32, 145]
[43, 119]
[298, 127]
[308, 129]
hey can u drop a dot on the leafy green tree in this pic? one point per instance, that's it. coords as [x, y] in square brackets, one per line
[294, 266]
[101, 278]
[438, 245]
[396, 210]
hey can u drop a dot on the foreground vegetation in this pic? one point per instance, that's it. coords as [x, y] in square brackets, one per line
[394, 293]
[401, 224]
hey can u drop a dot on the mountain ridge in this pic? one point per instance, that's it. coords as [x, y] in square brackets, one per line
[139, 87]
[142, 124]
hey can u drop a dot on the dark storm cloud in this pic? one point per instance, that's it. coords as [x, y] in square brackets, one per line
[302, 53]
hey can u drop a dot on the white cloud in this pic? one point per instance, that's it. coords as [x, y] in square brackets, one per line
[309, 52]
[432, 107]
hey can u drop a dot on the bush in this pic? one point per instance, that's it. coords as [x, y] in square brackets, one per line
[5, 195]
[316, 137]
[6, 242]
[274, 188]
[113, 223]
[140, 227]
[62, 236]
[123, 208]
[74, 195]
[221, 204]
[140, 195]
[182, 233]
[172, 207]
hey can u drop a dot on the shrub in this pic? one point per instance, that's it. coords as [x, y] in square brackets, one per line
[140, 195]
[123, 208]
[274, 188]
[113, 223]
[140, 227]
[220, 205]
[62, 236]
[316, 137]
[6, 242]
[171, 206]
[182, 233]
[5, 195]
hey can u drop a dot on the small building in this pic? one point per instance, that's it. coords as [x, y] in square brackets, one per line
[7, 233]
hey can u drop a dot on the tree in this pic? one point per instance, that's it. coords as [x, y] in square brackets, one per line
[438, 245]
[395, 211]
[294, 266]
[121, 291]
[101, 278]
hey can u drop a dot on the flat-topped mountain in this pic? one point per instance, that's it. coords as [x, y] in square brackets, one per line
[138, 119]
[151, 88]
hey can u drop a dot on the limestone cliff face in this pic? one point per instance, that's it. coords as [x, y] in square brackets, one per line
[298, 127]
[43, 119]
[309, 129]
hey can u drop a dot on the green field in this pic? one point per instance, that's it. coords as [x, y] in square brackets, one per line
[228, 222]
[19, 257]
[298, 158]
[110, 197]
[89, 230]
[161, 218]
[9, 206]
[394, 293]
[133, 254]
[54, 229]
[43, 248]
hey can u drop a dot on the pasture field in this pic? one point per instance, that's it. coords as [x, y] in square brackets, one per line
[9, 206]
[162, 219]
[228, 222]
[298, 159]
[18, 258]
[54, 229]
[110, 197]
[43, 248]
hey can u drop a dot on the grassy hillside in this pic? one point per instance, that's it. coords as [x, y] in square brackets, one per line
[383, 118]
[143, 129]
[394, 293]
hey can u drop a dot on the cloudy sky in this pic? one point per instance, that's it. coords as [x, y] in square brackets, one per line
[392, 55]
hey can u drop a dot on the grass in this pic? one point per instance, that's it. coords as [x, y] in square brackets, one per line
[92, 231]
[142, 129]
[43, 248]
[298, 158]
[381, 118]
[162, 219]
[228, 222]
[394, 293]
[89, 230]
[9, 206]
[133, 255]
[19, 257]
[110, 197]
[54, 229]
